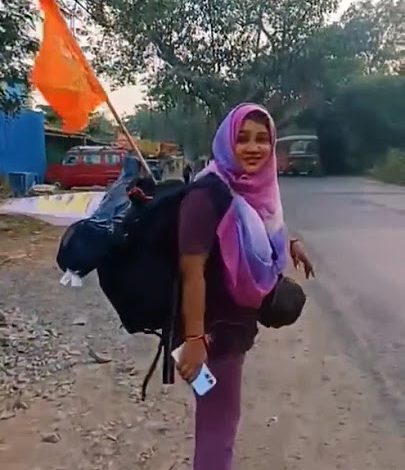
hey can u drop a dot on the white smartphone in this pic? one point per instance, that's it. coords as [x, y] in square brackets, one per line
[204, 382]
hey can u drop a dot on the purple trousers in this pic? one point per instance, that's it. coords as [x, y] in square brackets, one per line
[218, 414]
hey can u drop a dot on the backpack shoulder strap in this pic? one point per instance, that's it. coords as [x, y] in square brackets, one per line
[220, 194]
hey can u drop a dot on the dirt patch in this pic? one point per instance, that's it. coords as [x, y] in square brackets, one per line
[307, 406]
[25, 240]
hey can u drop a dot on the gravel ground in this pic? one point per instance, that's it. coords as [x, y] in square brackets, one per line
[70, 381]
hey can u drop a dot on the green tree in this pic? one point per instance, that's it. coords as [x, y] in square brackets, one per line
[212, 52]
[51, 118]
[364, 44]
[17, 44]
[366, 118]
[374, 29]
[100, 127]
[215, 53]
[201, 57]
[188, 126]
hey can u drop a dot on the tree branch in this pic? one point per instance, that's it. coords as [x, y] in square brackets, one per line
[212, 43]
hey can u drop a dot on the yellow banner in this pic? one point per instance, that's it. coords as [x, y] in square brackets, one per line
[64, 203]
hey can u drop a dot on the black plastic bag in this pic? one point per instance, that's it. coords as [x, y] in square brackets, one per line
[86, 243]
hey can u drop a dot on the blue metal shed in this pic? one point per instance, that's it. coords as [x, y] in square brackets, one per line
[22, 143]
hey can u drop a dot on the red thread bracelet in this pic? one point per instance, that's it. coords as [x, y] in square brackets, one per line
[204, 338]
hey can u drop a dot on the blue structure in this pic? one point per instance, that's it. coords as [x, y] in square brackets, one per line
[22, 144]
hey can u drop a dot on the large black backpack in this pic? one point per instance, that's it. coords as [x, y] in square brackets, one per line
[141, 277]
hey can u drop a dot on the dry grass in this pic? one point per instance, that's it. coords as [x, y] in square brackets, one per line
[393, 169]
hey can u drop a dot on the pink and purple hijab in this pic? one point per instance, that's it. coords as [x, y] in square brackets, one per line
[252, 234]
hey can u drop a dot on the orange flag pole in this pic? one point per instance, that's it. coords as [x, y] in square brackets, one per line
[66, 80]
[130, 139]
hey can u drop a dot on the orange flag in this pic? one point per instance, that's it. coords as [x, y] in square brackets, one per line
[62, 73]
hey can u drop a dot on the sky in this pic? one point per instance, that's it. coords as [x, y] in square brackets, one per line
[345, 4]
[126, 98]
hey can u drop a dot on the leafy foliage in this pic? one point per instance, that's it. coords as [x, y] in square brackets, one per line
[51, 118]
[355, 116]
[100, 127]
[366, 118]
[198, 58]
[189, 127]
[375, 29]
[363, 43]
[17, 44]
[392, 169]
[212, 52]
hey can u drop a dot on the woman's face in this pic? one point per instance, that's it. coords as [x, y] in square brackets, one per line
[253, 146]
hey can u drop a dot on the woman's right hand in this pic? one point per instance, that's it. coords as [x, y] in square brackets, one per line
[193, 356]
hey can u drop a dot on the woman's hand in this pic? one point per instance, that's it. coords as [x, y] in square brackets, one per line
[193, 356]
[194, 352]
[299, 257]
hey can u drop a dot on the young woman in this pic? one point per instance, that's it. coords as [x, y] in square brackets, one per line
[227, 269]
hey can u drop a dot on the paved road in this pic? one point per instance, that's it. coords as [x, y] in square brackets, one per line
[355, 230]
